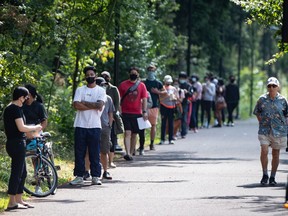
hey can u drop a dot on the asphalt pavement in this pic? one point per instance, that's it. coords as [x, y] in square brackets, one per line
[213, 172]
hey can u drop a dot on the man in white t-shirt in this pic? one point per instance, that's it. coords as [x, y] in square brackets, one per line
[88, 101]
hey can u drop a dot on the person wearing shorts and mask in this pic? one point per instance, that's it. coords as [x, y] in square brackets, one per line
[271, 111]
[155, 88]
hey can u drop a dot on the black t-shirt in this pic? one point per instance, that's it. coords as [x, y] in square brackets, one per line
[154, 84]
[34, 113]
[11, 113]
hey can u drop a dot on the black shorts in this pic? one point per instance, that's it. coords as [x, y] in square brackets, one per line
[130, 122]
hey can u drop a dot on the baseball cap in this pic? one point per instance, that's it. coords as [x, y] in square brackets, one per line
[106, 73]
[168, 78]
[273, 81]
[100, 81]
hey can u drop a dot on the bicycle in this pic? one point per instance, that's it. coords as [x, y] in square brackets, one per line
[42, 177]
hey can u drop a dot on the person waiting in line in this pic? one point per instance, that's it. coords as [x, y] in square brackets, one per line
[271, 111]
[208, 94]
[220, 103]
[178, 109]
[113, 92]
[196, 103]
[133, 105]
[232, 97]
[15, 128]
[155, 88]
[167, 106]
[88, 101]
[186, 86]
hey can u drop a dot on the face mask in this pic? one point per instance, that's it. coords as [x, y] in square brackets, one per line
[90, 80]
[133, 77]
[151, 76]
[182, 81]
[107, 80]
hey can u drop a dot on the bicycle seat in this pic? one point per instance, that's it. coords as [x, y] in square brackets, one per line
[46, 134]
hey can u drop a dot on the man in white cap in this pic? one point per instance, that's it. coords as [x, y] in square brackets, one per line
[271, 111]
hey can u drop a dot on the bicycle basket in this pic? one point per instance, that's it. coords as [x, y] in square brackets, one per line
[32, 145]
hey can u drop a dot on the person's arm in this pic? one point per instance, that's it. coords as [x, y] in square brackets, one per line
[44, 124]
[111, 118]
[33, 129]
[84, 105]
[116, 100]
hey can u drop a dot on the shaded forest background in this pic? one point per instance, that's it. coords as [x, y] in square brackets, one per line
[48, 43]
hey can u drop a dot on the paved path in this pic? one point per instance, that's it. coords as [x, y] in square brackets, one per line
[214, 172]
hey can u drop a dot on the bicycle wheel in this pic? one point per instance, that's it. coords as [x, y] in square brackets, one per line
[42, 178]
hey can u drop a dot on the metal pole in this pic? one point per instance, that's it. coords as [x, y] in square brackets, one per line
[116, 44]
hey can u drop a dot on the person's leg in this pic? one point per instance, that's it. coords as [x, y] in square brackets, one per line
[230, 111]
[275, 161]
[113, 137]
[184, 120]
[198, 102]
[93, 142]
[153, 117]
[233, 106]
[203, 110]
[133, 142]
[177, 125]
[264, 157]
[163, 122]
[80, 147]
[208, 105]
[192, 124]
[105, 146]
[170, 125]
[142, 139]
[127, 141]
[87, 164]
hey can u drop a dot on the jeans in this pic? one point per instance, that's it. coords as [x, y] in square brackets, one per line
[16, 149]
[206, 109]
[184, 119]
[193, 119]
[167, 113]
[87, 138]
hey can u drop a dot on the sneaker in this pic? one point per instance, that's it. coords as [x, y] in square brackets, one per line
[38, 190]
[128, 157]
[77, 181]
[217, 126]
[171, 142]
[264, 179]
[86, 175]
[96, 181]
[118, 148]
[152, 148]
[112, 165]
[141, 152]
[272, 181]
[162, 142]
[232, 124]
[106, 175]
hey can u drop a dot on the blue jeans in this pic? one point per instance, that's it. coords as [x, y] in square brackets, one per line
[184, 119]
[87, 138]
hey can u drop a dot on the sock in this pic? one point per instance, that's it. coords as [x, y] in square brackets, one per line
[265, 172]
[273, 174]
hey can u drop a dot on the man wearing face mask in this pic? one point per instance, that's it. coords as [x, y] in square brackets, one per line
[133, 105]
[88, 101]
[155, 88]
[188, 90]
[113, 92]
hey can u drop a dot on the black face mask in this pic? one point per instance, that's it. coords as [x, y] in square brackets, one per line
[107, 80]
[133, 77]
[90, 80]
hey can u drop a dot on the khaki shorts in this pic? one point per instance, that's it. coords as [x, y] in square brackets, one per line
[153, 115]
[274, 142]
[105, 142]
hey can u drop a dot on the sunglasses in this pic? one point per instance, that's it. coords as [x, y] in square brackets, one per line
[273, 86]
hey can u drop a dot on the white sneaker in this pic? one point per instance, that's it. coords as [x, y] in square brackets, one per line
[96, 181]
[77, 181]
[38, 190]
[112, 165]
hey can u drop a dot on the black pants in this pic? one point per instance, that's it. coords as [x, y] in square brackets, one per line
[167, 114]
[230, 109]
[16, 149]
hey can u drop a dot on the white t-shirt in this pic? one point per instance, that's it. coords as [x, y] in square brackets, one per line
[89, 118]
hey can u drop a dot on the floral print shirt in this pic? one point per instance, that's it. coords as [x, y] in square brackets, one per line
[272, 113]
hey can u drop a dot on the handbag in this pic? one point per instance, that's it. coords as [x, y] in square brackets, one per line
[220, 103]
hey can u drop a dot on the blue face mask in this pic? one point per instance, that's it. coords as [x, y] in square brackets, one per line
[182, 81]
[151, 76]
